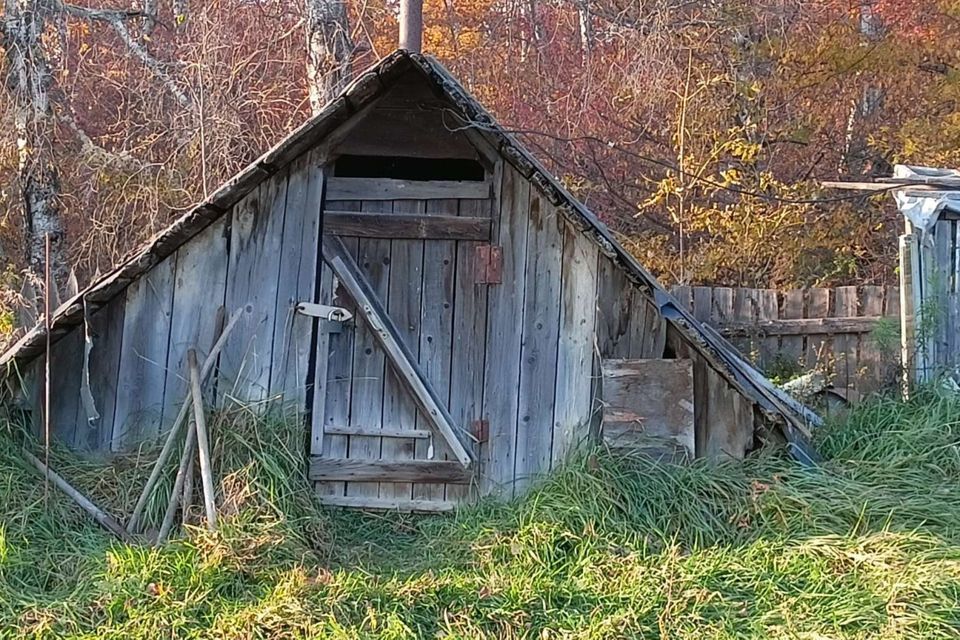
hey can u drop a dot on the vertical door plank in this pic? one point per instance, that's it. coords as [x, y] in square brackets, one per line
[148, 310]
[106, 331]
[369, 362]
[198, 293]
[66, 359]
[469, 331]
[505, 310]
[293, 333]
[578, 312]
[339, 380]
[436, 335]
[404, 307]
[254, 267]
[541, 326]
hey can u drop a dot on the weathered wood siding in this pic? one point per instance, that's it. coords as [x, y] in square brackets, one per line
[261, 255]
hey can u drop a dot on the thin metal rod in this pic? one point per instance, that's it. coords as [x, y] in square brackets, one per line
[46, 362]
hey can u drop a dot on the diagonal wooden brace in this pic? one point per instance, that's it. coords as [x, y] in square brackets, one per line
[371, 308]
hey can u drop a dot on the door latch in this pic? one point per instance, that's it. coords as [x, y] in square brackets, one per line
[331, 318]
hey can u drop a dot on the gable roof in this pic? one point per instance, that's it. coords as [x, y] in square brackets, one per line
[793, 418]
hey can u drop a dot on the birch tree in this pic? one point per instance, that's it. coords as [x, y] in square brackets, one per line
[329, 50]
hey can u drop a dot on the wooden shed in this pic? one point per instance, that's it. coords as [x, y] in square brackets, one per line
[447, 319]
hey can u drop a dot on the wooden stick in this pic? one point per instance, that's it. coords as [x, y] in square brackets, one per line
[187, 501]
[178, 422]
[186, 462]
[203, 443]
[107, 521]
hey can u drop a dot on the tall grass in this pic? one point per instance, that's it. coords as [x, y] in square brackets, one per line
[868, 546]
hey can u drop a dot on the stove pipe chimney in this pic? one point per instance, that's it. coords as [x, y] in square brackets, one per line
[411, 25]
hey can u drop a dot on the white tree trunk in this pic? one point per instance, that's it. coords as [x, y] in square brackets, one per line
[29, 81]
[328, 50]
[855, 160]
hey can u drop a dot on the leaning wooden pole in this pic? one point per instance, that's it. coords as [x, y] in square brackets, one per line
[107, 521]
[177, 423]
[203, 443]
[186, 462]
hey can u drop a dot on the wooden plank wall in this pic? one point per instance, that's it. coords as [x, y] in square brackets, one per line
[141, 337]
[796, 330]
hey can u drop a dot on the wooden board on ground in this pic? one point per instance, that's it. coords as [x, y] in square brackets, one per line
[648, 405]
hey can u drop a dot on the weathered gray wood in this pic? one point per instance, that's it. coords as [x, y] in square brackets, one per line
[869, 364]
[436, 336]
[148, 310]
[66, 358]
[541, 327]
[575, 353]
[818, 306]
[403, 471]
[654, 329]
[504, 316]
[792, 346]
[372, 310]
[845, 346]
[369, 362]
[321, 365]
[157, 469]
[339, 378]
[768, 311]
[384, 432]
[702, 306]
[198, 295]
[941, 285]
[745, 312]
[293, 333]
[469, 332]
[614, 310]
[387, 504]
[106, 331]
[404, 306]
[391, 189]
[648, 403]
[729, 418]
[802, 326]
[385, 225]
[252, 274]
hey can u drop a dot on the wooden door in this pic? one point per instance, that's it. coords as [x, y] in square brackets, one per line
[373, 443]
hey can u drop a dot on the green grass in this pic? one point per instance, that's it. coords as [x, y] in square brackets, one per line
[868, 546]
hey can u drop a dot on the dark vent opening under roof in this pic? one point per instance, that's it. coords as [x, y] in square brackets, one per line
[406, 168]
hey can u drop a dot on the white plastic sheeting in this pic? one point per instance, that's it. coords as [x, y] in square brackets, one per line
[923, 208]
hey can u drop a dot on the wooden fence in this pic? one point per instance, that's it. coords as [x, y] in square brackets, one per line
[849, 333]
